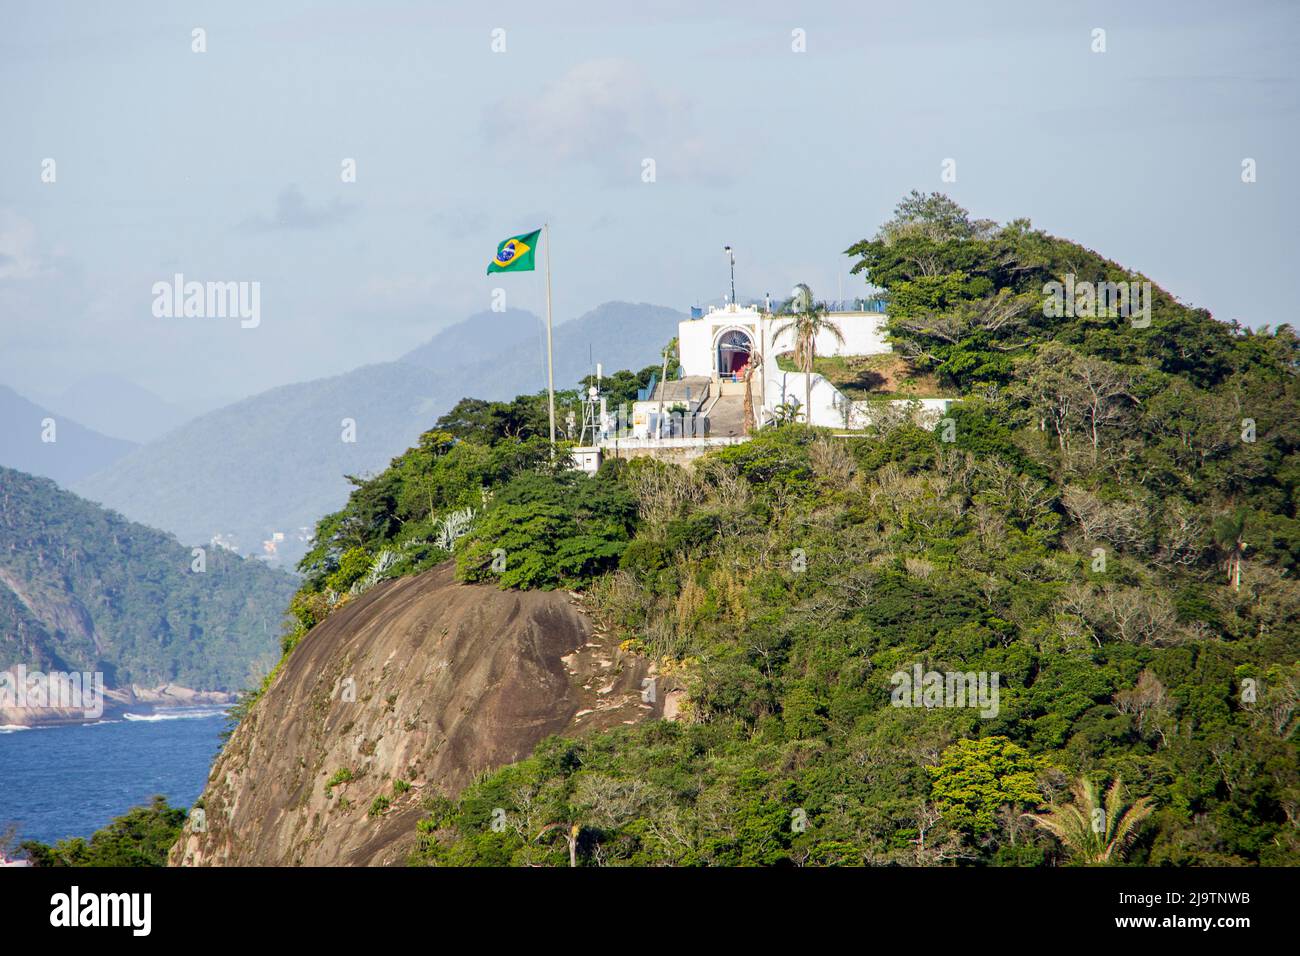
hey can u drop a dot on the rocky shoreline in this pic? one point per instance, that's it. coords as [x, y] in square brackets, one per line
[117, 702]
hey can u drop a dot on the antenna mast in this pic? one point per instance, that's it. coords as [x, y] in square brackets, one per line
[732, 257]
[592, 413]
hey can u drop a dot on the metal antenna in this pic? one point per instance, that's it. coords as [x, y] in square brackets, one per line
[593, 404]
[732, 257]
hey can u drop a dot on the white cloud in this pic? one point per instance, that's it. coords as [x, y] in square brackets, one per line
[609, 114]
[20, 256]
[293, 211]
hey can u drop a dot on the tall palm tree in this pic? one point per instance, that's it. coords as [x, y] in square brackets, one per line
[805, 327]
[751, 367]
[1093, 833]
[571, 832]
[1229, 530]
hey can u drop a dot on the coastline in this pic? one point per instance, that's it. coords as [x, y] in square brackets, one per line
[130, 703]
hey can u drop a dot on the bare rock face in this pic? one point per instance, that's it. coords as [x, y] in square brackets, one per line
[421, 680]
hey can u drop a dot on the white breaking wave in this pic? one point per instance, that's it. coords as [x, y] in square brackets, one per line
[176, 715]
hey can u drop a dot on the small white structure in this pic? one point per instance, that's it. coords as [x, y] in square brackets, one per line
[587, 458]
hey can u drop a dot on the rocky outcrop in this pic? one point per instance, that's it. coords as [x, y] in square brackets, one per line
[35, 699]
[423, 681]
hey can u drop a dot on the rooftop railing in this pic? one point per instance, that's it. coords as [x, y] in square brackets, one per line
[643, 394]
[865, 304]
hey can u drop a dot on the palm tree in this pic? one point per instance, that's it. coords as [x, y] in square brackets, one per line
[1090, 832]
[805, 327]
[571, 832]
[1228, 532]
[751, 367]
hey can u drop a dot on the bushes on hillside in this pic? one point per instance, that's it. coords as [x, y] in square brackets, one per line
[1107, 520]
[547, 531]
[142, 836]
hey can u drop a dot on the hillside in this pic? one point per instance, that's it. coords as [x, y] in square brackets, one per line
[277, 461]
[83, 589]
[446, 680]
[75, 452]
[1086, 567]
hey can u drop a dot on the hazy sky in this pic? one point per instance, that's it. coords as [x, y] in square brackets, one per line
[225, 165]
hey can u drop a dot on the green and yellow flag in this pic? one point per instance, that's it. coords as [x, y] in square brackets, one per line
[515, 254]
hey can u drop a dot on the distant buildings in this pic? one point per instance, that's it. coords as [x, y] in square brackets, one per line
[226, 541]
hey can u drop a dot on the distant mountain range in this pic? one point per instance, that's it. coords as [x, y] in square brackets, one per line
[83, 589]
[114, 406]
[275, 463]
[39, 441]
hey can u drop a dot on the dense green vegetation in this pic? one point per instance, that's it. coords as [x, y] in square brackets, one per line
[140, 837]
[1107, 521]
[82, 588]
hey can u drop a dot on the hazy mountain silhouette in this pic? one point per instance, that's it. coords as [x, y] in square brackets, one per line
[482, 336]
[617, 334]
[75, 452]
[119, 408]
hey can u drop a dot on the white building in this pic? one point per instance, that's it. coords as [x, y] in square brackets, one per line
[717, 349]
[719, 344]
[705, 406]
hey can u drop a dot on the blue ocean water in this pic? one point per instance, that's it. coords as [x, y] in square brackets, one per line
[59, 782]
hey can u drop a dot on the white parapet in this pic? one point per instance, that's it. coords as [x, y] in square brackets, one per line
[831, 408]
[650, 443]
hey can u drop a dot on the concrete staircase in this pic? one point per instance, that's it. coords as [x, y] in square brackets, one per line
[727, 416]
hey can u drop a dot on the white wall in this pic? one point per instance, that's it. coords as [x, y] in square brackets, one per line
[695, 346]
[829, 404]
[864, 334]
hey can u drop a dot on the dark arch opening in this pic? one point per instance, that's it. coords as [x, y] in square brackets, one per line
[734, 348]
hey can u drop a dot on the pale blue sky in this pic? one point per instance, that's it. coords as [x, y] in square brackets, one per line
[225, 165]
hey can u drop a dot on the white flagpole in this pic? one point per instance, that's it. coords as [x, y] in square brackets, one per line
[550, 367]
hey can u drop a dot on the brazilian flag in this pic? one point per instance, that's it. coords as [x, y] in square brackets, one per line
[516, 254]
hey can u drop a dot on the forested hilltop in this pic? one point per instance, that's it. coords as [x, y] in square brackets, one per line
[1106, 521]
[83, 589]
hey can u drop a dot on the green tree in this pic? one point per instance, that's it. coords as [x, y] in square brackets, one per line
[140, 837]
[1229, 534]
[935, 217]
[547, 531]
[976, 778]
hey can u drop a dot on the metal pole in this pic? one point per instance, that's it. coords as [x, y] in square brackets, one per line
[659, 423]
[550, 366]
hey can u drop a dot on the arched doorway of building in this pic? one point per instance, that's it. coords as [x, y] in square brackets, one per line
[734, 348]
